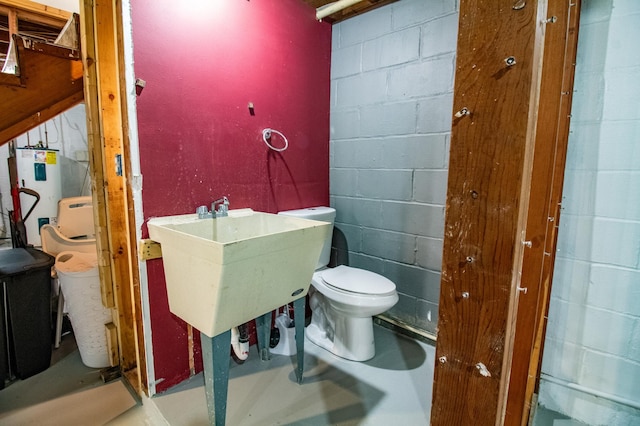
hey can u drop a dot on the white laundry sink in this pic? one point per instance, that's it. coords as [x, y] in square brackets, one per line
[223, 272]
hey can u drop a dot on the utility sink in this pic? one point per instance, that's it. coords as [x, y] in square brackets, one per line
[223, 272]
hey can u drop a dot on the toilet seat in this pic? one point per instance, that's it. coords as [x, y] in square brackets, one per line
[354, 280]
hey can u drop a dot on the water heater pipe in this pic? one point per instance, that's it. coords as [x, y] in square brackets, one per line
[591, 391]
[334, 7]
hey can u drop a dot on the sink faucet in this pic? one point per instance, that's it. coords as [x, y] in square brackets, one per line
[222, 211]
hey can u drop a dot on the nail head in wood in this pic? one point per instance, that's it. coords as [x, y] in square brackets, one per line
[464, 111]
[519, 5]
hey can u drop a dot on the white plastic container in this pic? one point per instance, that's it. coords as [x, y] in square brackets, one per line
[80, 284]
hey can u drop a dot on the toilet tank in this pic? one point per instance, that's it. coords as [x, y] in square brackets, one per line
[324, 214]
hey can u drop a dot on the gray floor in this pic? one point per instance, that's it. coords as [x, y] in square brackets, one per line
[392, 388]
[66, 393]
[67, 374]
[545, 417]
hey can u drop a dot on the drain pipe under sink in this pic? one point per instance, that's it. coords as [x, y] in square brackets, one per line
[240, 341]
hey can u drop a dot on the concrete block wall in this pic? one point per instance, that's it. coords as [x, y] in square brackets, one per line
[392, 79]
[593, 335]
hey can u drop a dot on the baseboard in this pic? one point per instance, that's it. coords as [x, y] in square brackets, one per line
[403, 328]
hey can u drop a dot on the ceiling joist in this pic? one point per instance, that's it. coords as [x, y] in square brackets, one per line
[335, 11]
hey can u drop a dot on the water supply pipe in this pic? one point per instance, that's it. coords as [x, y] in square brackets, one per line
[591, 391]
[334, 7]
[240, 342]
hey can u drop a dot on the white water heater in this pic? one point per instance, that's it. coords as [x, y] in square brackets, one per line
[39, 169]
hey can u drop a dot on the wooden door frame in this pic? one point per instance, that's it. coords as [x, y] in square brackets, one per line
[111, 186]
[101, 30]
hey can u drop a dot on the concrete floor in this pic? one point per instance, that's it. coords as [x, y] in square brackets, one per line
[67, 393]
[545, 417]
[392, 388]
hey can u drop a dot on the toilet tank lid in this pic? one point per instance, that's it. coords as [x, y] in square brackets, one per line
[326, 214]
[358, 280]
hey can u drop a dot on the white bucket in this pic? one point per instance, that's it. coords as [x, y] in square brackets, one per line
[80, 284]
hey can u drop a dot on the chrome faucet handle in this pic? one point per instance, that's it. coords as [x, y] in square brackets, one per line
[202, 212]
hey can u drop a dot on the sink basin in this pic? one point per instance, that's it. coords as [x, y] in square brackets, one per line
[223, 272]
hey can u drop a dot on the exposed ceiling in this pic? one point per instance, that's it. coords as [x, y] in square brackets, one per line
[350, 11]
[47, 28]
[31, 23]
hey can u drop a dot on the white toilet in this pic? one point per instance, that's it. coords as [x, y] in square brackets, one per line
[344, 299]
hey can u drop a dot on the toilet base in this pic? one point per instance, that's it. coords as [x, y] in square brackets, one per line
[351, 337]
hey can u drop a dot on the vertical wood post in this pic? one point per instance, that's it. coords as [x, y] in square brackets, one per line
[496, 94]
[106, 129]
[558, 69]
[92, 107]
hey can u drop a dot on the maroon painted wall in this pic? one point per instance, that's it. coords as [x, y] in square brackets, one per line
[203, 62]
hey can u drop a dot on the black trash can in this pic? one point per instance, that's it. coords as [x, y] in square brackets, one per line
[25, 276]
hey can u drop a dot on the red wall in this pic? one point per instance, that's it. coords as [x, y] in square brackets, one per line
[203, 62]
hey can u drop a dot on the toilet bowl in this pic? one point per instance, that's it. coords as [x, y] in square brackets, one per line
[343, 300]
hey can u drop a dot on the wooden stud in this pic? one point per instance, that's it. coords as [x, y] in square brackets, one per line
[112, 344]
[12, 17]
[117, 255]
[92, 108]
[129, 213]
[110, 115]
[545, 195]
[191, 346]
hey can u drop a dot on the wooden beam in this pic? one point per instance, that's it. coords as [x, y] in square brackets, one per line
[98, 41]
[561, 39]
[50, 82]
[107, 129]
[135, 291]
[496, 94]
[12, 17]
[110, 114]
[62, 52]
[114, 173]
[26, 7]
[96, 162]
